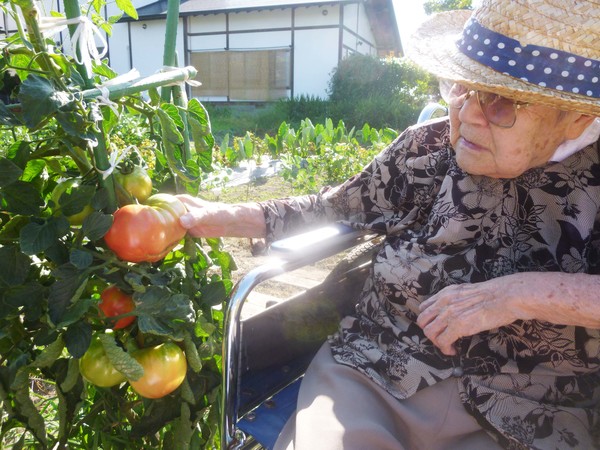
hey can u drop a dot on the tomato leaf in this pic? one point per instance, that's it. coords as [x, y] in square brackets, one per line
[76, 311]
[28, 294]
[19, 153]
[77, 338]
[21, 198]
[213, 294]
[204, 328]
[201, 133]
[10, 232]
[33, 169]
[173, 113]
[123, 361]
[162, 313]
[80, 258]
[9, 172]
[37, 237]
[71, 377]
[191, 353]
[8, 118]
[96, 225]
[172, 140]
[39, 100]
[14, 266]
[127, 7]
[25, 405]
[74, 201]
[50, 354]
[68, 285]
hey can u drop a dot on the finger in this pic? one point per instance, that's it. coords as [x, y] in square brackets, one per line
[439, 338]
[447, 349]
[425, 317]
[427, 303]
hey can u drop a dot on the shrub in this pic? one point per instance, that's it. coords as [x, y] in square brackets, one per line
[384, 93]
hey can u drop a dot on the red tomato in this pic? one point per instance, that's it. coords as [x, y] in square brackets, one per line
[136, 183]
[164, 370]
[95, 366]
[146, 232]
[114, 303]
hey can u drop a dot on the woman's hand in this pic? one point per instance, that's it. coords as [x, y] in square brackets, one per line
[467, 309]
[464, 310]
[213, 219]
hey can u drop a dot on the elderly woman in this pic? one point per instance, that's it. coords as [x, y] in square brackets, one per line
[479, 326]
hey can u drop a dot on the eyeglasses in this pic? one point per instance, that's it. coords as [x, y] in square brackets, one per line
[497, 110]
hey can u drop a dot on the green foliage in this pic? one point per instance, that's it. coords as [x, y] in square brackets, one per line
[384, 93]
[297, 109]
[328, 155]
[52, 272]
[433, 6]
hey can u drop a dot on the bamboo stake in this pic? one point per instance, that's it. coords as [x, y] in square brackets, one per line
[72, 10]
[131, 87]
[169, 57]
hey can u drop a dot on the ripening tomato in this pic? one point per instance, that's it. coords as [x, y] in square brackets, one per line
[114, 303]
[164, 370]
[95, 366]
[136, 183]
[146, 232]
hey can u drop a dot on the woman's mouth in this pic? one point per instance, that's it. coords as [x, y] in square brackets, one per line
[469, 145]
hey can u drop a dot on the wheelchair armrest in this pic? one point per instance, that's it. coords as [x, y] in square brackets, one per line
[291, 253]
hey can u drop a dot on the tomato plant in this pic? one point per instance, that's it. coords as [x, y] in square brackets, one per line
[146, 232]
[164, 370]
[136, 183]
[115, 303]
[96, 367]
[52, 273]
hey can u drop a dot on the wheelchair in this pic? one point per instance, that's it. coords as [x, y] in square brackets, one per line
[266, 355]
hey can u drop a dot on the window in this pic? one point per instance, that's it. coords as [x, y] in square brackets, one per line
[250, 75]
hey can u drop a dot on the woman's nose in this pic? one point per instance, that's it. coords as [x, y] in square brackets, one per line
[471, 111]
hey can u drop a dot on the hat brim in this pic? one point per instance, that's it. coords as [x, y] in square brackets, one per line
[433, 47]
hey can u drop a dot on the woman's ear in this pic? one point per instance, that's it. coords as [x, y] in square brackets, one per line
[579, 122]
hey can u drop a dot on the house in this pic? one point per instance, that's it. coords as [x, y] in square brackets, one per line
[257, 50]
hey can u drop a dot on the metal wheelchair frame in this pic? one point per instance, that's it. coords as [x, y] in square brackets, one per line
[241, 359]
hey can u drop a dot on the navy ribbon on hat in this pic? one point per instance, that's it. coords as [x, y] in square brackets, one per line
[544, 66]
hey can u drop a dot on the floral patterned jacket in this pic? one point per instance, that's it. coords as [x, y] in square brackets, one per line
[531, 384]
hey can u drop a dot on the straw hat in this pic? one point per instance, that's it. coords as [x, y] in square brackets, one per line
[539, 51]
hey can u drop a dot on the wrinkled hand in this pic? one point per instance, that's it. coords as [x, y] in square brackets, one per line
[213, 219]
[464, 310]
[200, 220]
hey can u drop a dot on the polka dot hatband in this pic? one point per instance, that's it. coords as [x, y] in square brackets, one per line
[545, 52]
[546, 67]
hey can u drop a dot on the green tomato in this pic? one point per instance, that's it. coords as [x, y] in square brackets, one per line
[136, 184]
[95, 366]
[68, 187]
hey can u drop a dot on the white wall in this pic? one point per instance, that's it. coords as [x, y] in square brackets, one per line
[118, 47]
[318, 16]
[147, 46]
[260, 20]
[357, 36]
[272, 39]
[315, 56]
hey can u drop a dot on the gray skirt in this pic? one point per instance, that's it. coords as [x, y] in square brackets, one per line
[340, 408]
